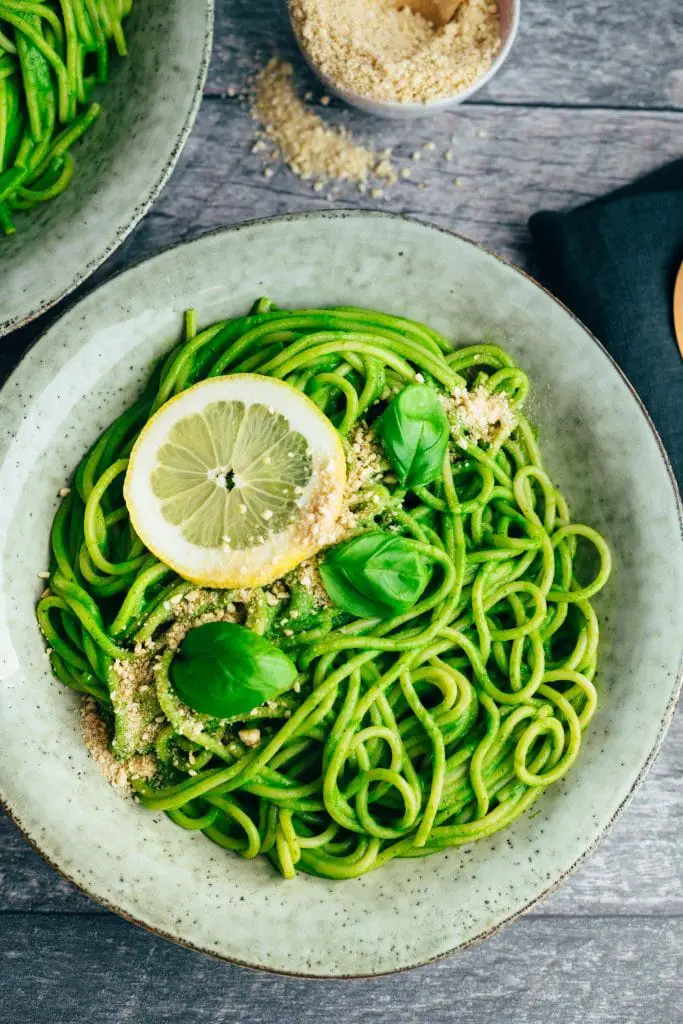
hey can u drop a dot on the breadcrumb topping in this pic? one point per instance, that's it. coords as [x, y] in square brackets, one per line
[250, 737]
[483, 415]
[98, 741]
[308, 575]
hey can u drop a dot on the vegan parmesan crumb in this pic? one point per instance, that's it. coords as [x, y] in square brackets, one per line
[366, 462]
[317, 525]
[376, 48]
[308, 575]
[98, 741]
[323, 525]
[483, 415]
[250, 737]
[309, 147]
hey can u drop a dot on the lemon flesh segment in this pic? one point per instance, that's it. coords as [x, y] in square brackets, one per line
[236, 481]
[231, 475]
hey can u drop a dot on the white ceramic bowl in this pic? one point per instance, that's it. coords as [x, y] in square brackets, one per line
[122, 163]
[599, 447]
[509, 25]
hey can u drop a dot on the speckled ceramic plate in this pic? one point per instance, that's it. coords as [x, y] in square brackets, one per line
[604, 455]
[122, 163]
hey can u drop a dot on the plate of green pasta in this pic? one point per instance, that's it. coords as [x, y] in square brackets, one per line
[341, 575]
[97, 98]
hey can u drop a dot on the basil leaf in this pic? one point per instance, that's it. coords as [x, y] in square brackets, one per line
[225, 670]
[414, 432]
[375, 575]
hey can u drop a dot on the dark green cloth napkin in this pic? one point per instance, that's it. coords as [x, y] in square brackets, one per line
[614, 263]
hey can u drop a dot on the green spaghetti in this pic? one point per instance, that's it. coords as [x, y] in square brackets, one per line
[430, 673]
[52, 54]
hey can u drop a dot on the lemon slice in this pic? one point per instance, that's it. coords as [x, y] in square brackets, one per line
[236, 481]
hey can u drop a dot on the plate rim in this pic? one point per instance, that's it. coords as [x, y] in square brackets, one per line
[15, 322]
[665, 720]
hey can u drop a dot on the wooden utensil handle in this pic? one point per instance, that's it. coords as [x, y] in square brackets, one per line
[438, 11]
[678, 310]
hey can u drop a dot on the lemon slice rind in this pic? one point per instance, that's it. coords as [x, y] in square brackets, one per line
[274, 554]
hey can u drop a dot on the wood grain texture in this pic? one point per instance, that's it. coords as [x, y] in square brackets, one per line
[507, 162]
[613, 53]
[99, 970]
[504, 165]
[559, 125]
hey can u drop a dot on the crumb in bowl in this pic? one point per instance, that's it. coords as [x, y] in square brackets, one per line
[381, 51]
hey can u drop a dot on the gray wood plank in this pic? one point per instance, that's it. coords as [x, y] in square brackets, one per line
[597, 53]
[101, 971]
[507, 164]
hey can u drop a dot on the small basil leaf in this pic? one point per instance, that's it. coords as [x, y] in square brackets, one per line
[414, 432]
[375, 575]
[225, 670]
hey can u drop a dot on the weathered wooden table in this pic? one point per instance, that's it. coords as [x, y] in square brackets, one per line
[591, 97]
